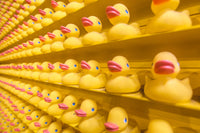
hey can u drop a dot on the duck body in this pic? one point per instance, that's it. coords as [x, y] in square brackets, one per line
[90, 81]
[72, 42]
[169, 20]
[74, 6]
[123, 84]
[170, 90]
[93, 38]
[70, 118]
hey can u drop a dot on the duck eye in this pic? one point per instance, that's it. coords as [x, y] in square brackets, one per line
[76, 29]
[45, 123]
[17, 122]
[126, 11]
[41, 18]
[99, 22]
[29, 88]
[22, 107]
[73, 104]
[64, 6]
[125, 120]
[59, 67]
[50, 12]
[56, 130]
[13, 118]
[28, 6]
[48, 94]
[97, 68]
[23, 127]
[75, 65]
[38, 91]
[33, 23]
[29, 110]
[39, 42]
[57, 97]
[61, 35]
[178, 64]
[92, 109]
[36, 116]
[127, 65]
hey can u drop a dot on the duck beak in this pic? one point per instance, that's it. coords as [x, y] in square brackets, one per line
[14, 106]
[65, 29]
[46, 131]
[2, 128]
[28, 1]
[7, 119]
[112, 12]
[16, 109]
[29, 118]
[157, 2]
[42, 38]
[164, 67]
[51, 66]
[37, 124]
[34, 18]
[51, 35]
[39, 67]
[85, 65]
[114, 67]
[63, 106]
[47, 99]
[42, 12]
[86, 22]
[17, 129]
[22, 90]
[12, 124]
[80, 113]
[111, 127]
[64, 66]
[54, 3]
[22, 111]
[39, 94]
[30, 92]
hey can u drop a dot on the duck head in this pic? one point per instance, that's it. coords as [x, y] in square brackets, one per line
[37, 42]
[70, 65]
[30, 22]
[37, 2]
[165, 64]
[43, 121]
[118, 64]
[88, 108]
[21, 127]
[118, 13]
[54, 127]
[35, 66]
[56, 67]
[44, 93]
[45, 66]
[159, 5]
[157, 125]
[92, 23]
[28, 109]
[91, 67]
[35, 115]
[47, 38]
[69, 103]
[117, 120]
[54, 97]
[71, 30]
[47, 12]
[58, 6]
[35, 90]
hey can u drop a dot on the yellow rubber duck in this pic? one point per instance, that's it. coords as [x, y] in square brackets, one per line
[93, 77]
[44, 76]
[91, 122]
[33, 91]
[30, 30]
[25, 94]
[35, 116]
[40, 95]
[36, 71]
[117, 122]
[21, 110]
[55, 75]
[71, 74]
[43, 122]
[158, 126]
[167, 19]
[37, 19]
[93, 26]
[120, 73]
[119, 16]
[68, 130]
[35, 2]
[72, 33]
[57, 45]
[47, 39]
[54, 127]
[53, 98]
[21, 127]
[47, 13]
[60, 10]
[27, 111]
[37, 44]
[69, 105]
[74, 5]
[165, 68]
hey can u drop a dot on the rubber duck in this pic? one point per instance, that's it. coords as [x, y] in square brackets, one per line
[69, 105]
[44, 67]
[46, 48]
[166, 18]
[36, 71]
[93, 26]
[35, 2]
[27, 111]
[47, 14]
[30, 30]
[119, 16]
[15, 123]
[35, 116]
[117, 121]
[54, 127]
[72, 33]
[165, 68]
[55, 75]
[43, 122]
[120, 73]
[37, 44]
[74, 5]
[93, 77]
[157, 125]
[92, 122]
[60, 10]
[37, 19]
[68, 130]
[54, 97]
[21, 127]
[40, 95]
[57, 45]
[71, 74]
